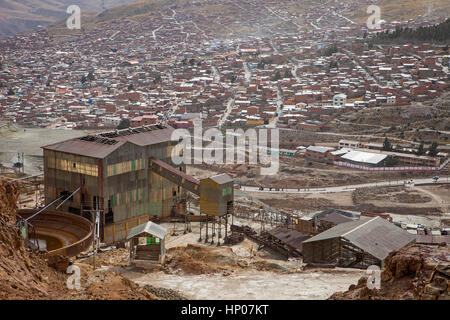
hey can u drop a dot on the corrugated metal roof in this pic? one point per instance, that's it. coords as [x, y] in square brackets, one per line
[338, 230]
[150, 228]
[349, 214]
[84, 148]
[379, 237]
[341, 151]
[364, 157]
[335, 218]
[222, 178]
[292, 238]
[319, 149]
[99, 150]
[375, 236]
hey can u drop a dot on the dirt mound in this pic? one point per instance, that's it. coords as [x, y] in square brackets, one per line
[118, 257]
[196, 259]
[268, 266]
[22, 274]
[104, 284]
[414, 272]
[58, 262]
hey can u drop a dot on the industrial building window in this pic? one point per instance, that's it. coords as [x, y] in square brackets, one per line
[127, 197]
[226, 191]
[72, 166]
[124, 167]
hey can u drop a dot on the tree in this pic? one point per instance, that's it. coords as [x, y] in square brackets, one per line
[334, 64]
[387, 146]
[288, 74]
[391, 162]
[330, 50]
[421, 150]
[90, 76]
[124, 123]
[277, 76]
[432, 152]
[157, 79]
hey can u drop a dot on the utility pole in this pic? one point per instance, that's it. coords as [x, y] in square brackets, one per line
[96, 233]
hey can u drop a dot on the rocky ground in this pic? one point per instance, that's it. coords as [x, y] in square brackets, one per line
[209, 272]
[416, 272]
[196, 270]
[26, 275]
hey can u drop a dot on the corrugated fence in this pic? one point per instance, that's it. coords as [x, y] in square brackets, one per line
[119, 231]
[404, 168]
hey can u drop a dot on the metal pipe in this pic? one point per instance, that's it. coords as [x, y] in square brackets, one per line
[36, 175]
[44, 208]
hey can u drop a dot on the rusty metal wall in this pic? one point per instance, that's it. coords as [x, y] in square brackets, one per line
[57, 181]
[119, 231]
[158, 192]
[212, 199]
[155, 194]
[325, 251]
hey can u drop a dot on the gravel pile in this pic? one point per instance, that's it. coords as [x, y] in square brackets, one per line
[167, 294]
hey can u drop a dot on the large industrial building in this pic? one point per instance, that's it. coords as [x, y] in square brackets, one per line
[127, 175]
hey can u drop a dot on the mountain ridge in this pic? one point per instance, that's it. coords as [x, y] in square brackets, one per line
[18, 17]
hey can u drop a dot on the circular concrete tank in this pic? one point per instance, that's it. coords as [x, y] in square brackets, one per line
[63, 233]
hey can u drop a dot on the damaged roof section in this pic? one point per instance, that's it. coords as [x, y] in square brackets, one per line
[101, 145]
[292, 238]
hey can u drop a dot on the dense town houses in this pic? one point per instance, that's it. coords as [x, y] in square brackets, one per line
[175, 73]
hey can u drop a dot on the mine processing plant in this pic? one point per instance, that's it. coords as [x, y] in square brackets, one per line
[129, 178]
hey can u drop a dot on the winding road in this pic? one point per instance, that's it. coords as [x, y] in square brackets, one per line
[399, 182]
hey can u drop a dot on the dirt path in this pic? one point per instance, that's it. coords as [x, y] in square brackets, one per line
[439, 201]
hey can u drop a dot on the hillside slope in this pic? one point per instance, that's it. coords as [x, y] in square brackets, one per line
[20, 16]
[402, 10]
[229, 18]
[418, 272]
[31, 276]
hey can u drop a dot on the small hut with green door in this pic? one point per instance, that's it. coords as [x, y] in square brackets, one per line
[153, 248]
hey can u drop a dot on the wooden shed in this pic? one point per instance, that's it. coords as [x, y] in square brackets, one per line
[360, 243]
[154, 248]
